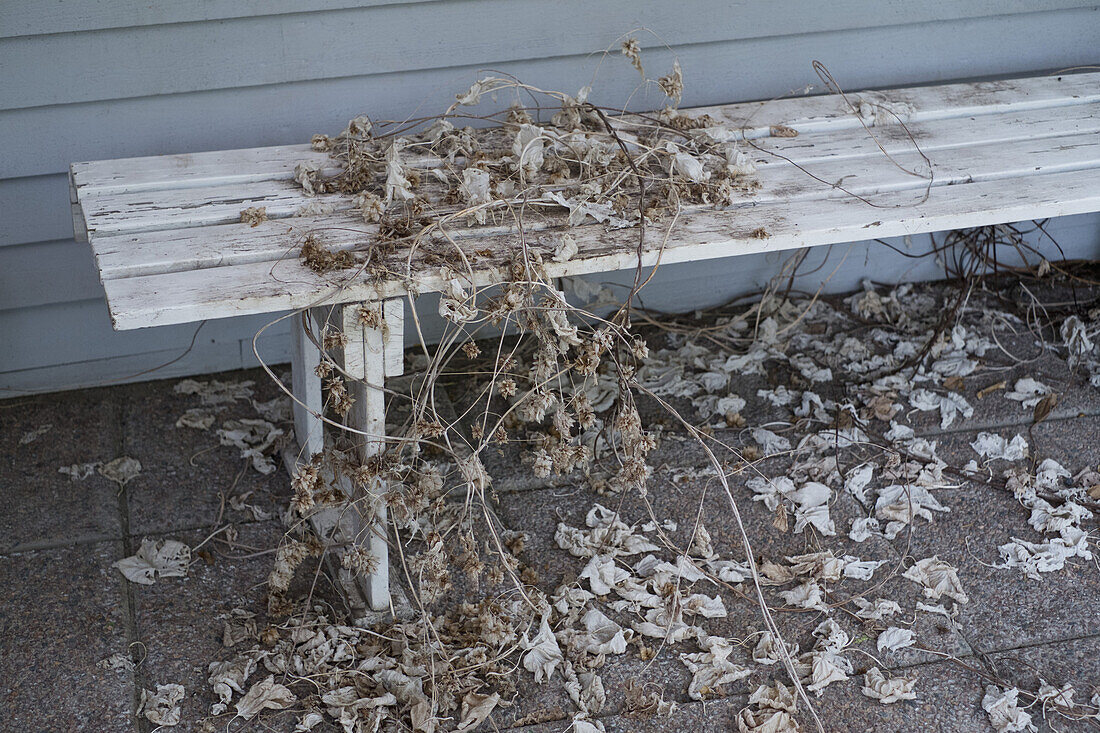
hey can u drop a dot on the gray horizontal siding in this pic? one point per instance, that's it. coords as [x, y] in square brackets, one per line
[47, 272]
[52, 137]
[254, 51]
[81, 330]
[41, 17]
[119, 78]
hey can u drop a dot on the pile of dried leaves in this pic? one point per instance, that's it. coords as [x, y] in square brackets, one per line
[565, 385]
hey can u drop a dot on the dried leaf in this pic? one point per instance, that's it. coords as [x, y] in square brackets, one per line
[196, 418]
[895, 638]
[164, 559]
[938, 579]
[1004, 715]
[121, 470]
[33, 435]
[265, 695]
[543, 654]
[163, 706]
[1043, 408]
[475, 709]
[254, 438]
[887, 690]
[79, 471]
[766, 721]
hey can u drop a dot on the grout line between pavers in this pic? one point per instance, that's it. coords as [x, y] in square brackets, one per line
[91, 539]
[130, 604]
[1046, 642]
[1024, 422]
[199, 528]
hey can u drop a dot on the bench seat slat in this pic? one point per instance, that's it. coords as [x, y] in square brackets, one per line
[806, 114]
[149, 211]
[179, 250]
[228, 291]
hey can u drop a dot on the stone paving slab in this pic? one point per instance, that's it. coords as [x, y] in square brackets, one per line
[43, 507]
[187, 476]
[66, 608]
[61, 612]
[948, 701]
[992, 410]
[180, 620]
[1075, 661]
[1006, 609]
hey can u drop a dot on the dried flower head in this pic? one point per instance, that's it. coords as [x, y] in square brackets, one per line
[673, 84]
[633, 51]
[254, 215]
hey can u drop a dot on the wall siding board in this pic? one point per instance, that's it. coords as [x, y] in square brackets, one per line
[42, 273]
[63, 333]
[240, 52]
[715, 73]
[41, 17]
[119, 78]
[35, 209]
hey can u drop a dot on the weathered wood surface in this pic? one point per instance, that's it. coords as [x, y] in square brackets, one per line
[170, 249]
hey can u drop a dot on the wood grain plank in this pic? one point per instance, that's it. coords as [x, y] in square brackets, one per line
[179, 250]
[368, 416]
[306, 386]
[151, 211]
[394, 350]
[182, 297]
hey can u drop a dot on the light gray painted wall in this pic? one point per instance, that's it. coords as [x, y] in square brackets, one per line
[117, 78]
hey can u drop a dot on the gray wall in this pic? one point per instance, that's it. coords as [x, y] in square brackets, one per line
[116, 78]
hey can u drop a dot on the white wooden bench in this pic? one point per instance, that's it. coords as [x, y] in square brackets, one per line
[171, 249]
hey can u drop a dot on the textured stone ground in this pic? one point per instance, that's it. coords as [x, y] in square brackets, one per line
[63, 608]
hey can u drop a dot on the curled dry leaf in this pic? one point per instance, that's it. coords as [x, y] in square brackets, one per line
[1004, 712]
[887, 690]
[229, 677]
[543, 654]
[216, 392]
[33, 435]
[566, 250]
[766, 721]
[163, 706]
[265, 695]
[121, 470]
[712, 668]
[476, 707]
[254, 438]
[938, 579]
[196, 418]
[79, 471]
[164, 559]
[117, 662]
[988, 445]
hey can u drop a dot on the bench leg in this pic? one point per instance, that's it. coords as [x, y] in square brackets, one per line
[306, 386]
[373, 352]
